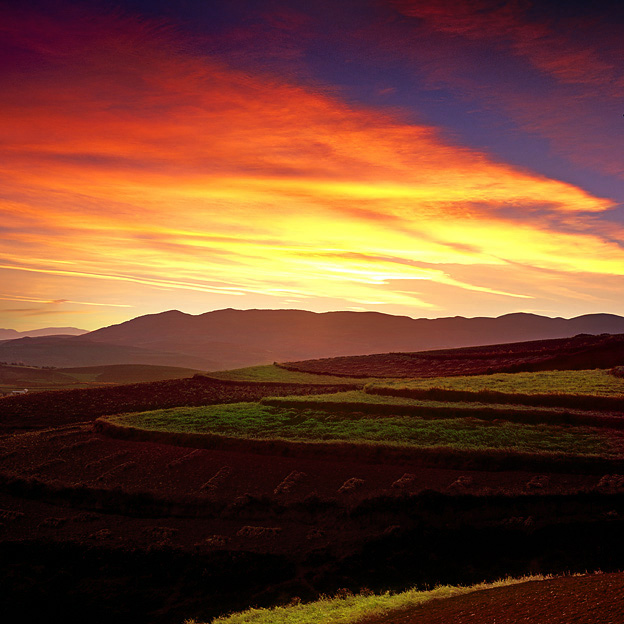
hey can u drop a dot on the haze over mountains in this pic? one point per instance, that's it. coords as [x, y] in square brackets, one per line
[230, 338]
[12, 334]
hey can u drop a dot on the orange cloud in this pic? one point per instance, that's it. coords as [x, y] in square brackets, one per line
[133, 162]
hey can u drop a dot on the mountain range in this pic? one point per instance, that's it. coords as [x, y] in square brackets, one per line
[229, 338]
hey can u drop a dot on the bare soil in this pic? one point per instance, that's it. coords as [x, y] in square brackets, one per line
[594, 599]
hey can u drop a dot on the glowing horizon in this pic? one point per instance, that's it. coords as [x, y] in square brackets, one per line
[152, 161]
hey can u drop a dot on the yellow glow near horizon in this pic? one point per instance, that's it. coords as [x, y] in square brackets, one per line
[241, 187]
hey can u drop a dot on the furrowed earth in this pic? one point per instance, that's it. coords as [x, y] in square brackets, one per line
[146, 530]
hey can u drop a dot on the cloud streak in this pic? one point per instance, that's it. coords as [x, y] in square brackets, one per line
[130, 160]
[554, 48]
[569, 89]
[60, 301]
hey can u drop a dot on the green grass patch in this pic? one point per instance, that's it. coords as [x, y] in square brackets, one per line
[359, 400]
[351, 609]
[580, 382]
[271, 372]
[595, 390]
[255, 421]
[362, 403]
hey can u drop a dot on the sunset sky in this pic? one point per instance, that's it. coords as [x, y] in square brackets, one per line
[426, 158]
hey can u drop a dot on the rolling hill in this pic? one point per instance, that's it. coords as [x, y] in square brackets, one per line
[19, 377]
[129, 373]
[71, 351]
[583, 351]
[225, 339]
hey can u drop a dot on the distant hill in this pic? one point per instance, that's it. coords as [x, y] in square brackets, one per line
[236, 338]
[129, 373]
[12, 334]
[71, 351]
[22, 376]
[18, 377]
[225, 339]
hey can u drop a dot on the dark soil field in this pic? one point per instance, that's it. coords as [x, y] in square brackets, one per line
[67, 406]
[594, 599]
[107, 529]
[580, 352]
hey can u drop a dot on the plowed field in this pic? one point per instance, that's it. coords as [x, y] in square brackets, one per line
[595, 599]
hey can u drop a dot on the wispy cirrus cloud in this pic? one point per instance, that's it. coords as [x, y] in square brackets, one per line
[58, 302]
[573, 97]
[133, 162]
[555, 46]
[28, 312]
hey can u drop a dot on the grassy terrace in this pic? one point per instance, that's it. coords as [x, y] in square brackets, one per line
[254, 421]
[583, 382]
[271, 372]
[362, 403]
[356, 400]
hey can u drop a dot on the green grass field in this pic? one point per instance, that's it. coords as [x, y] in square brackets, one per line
[255, 421]
[351, 609]
[584, 382]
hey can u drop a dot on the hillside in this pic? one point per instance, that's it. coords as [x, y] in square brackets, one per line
[583, 351]
[225, 339]
[237, 338]
[290, 332]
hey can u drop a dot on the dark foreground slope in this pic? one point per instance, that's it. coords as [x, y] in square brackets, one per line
[124, 530]
[147, 532]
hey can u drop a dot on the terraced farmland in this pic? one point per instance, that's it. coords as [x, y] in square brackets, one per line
[593, 383]
[265, 492]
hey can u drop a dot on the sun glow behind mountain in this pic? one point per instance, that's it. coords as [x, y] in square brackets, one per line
[151, 162]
